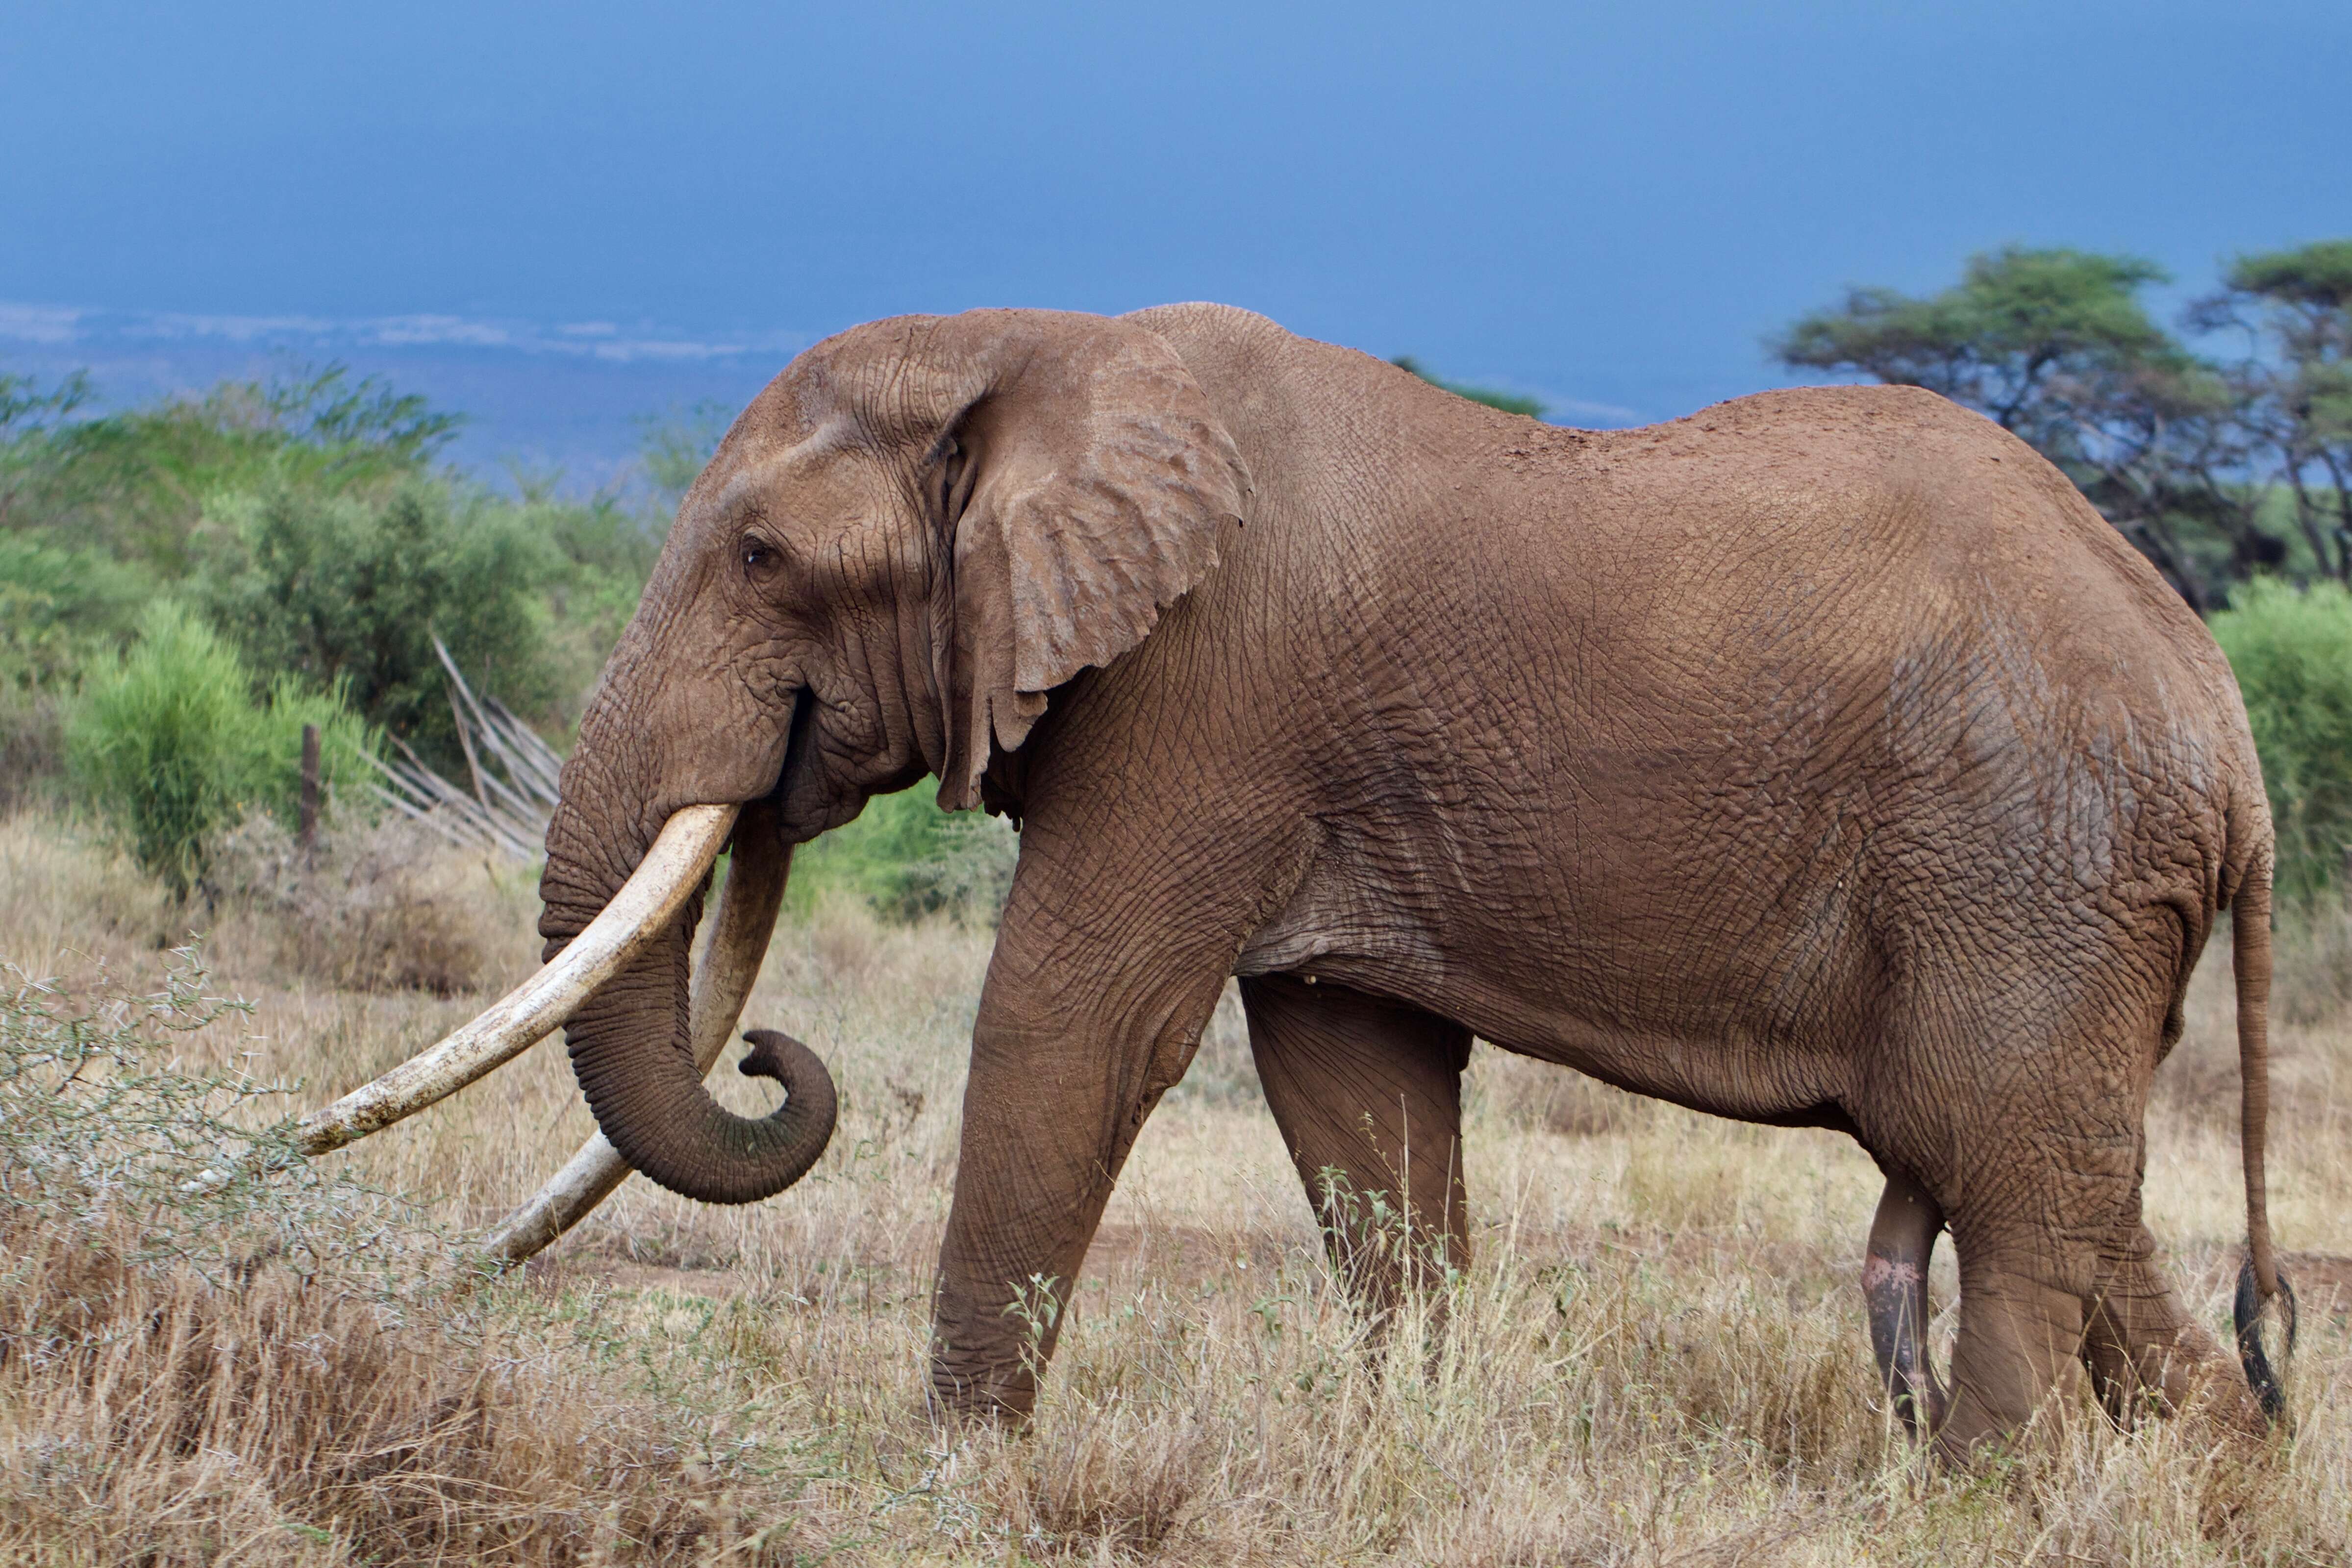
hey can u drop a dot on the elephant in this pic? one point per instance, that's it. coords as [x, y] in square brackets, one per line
[1819, 759]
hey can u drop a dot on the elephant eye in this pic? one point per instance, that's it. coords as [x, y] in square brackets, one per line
[759, 557]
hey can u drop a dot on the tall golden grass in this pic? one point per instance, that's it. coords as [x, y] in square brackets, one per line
[1657, 1355]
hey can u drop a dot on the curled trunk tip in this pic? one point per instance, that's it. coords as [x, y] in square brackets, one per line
[630, 1052]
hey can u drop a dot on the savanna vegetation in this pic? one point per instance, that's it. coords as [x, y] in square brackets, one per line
[183, 587]
[212, 1351]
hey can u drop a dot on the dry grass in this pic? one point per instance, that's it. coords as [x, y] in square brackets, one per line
[1658, 1357]
[157, 1416]
[385, 907]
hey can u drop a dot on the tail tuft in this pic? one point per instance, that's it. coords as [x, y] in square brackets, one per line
[2247, 1312]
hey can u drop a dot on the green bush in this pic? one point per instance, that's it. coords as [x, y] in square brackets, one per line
[353, 589]
[274, 783]
[172, 749]
[100, 1112]
[603, 553]
[2292, 650]
[58, 607]
[908, 859]
[303, 519]
[61, 613]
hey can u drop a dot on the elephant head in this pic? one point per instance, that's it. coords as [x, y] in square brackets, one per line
[908, 540]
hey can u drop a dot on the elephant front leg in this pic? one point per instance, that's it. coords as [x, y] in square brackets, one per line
[1369, 1097]
[1070, 1052]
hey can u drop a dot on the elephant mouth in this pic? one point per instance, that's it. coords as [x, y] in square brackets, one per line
[798, 769]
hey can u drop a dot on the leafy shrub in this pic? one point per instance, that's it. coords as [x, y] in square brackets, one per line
[353, 589]
[95, 1113]
[172, 748]
[2292, 650]
[305, 517]
[604, 551]
[58, 607]
[165, 747]
[908, 859]
[275, 783]
[61, 613]
[29, 416]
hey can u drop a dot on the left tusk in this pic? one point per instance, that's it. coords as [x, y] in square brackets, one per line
[730, 963]
[667, 876]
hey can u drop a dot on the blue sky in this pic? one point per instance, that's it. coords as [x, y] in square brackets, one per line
[553, 218]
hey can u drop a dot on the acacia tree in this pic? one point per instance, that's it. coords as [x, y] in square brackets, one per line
[2293, 388]
[2056, 346]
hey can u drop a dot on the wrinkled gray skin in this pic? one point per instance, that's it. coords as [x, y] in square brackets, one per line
[1820, 759]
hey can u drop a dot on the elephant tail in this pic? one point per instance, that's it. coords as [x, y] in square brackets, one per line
[2259, 1280]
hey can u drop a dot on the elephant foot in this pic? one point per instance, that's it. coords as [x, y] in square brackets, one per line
[960, 1407]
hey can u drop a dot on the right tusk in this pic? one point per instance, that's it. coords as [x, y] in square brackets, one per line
[723, 976]
[636, 915]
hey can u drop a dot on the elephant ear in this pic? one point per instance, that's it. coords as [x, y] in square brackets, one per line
[1085, 485]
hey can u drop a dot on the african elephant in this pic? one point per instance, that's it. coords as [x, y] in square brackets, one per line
[1820, 760]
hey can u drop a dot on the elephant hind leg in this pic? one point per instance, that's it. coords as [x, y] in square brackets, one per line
[2032, 1210]
[2145, 1354]
[1895, 1289]
[1368, 1094]
[2022, 1322]
[2029, 1142]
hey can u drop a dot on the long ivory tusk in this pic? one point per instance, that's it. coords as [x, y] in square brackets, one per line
[723, 975]
[638, 913]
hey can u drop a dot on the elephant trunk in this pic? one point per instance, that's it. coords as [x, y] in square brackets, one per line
[633, 1056]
